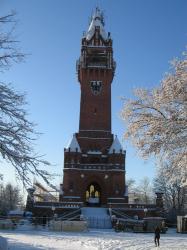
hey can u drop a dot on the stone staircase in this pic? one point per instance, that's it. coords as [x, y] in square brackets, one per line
[96, 217]
[73, 214]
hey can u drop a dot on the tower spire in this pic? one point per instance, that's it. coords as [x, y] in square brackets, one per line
[97, 20]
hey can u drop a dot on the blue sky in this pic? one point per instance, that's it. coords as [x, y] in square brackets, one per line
[147, 34]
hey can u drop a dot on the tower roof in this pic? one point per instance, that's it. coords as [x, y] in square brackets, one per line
[116, 147]
[97, 20]
[73, 145]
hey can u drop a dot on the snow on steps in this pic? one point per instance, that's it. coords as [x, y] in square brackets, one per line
[96, 217]
[73, 215]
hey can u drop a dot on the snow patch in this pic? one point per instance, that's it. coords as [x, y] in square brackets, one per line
[3, 243]
[95, 239]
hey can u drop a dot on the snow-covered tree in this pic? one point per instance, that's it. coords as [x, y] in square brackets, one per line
[172, 189]
[141, 192]
[16, 131]
[9, 50]
[145, 189]
[10, 198]
[157, 119]
[131, 183]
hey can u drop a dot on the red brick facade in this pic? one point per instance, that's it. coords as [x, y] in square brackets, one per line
[94, 161]
[94, 173]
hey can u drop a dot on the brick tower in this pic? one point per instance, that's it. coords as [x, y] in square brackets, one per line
[94, 161]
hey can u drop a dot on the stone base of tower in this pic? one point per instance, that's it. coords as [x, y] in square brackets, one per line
[72, 210]
[94, 177]
[99, 185]
[72, 201]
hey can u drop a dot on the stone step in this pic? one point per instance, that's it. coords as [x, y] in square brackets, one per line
[96, 217]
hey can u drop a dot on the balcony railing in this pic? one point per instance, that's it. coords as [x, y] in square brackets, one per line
[82, 64]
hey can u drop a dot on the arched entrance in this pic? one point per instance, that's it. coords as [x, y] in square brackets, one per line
[93, 194]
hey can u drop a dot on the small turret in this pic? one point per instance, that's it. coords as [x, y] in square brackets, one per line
[73, 145]
[97, 22]
[116, 147]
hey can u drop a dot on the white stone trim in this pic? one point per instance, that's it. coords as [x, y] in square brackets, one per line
[73, 197]
[84, 137]
[116, 198]
[96, 130]
[98, 170]
[94, 152]
[97, 164]
[70, 202]
[62, 206]
[118, 203]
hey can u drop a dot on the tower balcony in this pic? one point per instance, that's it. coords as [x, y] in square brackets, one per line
[82, 64]
[96, 65]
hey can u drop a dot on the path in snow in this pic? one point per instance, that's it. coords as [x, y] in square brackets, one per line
[92, 240]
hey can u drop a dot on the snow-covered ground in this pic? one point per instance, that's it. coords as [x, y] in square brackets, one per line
[25, 238]
[3, 244]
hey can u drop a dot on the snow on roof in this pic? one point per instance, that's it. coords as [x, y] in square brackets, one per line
[94, 152]
[97, 20]
[73, 145]
[116, 147]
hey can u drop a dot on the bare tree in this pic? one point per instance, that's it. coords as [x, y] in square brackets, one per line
[157, 119]
[17, 133]
[9, 50]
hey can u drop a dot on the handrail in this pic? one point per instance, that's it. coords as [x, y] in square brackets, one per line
[75, 217]
[68, 214]
[124, 216]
